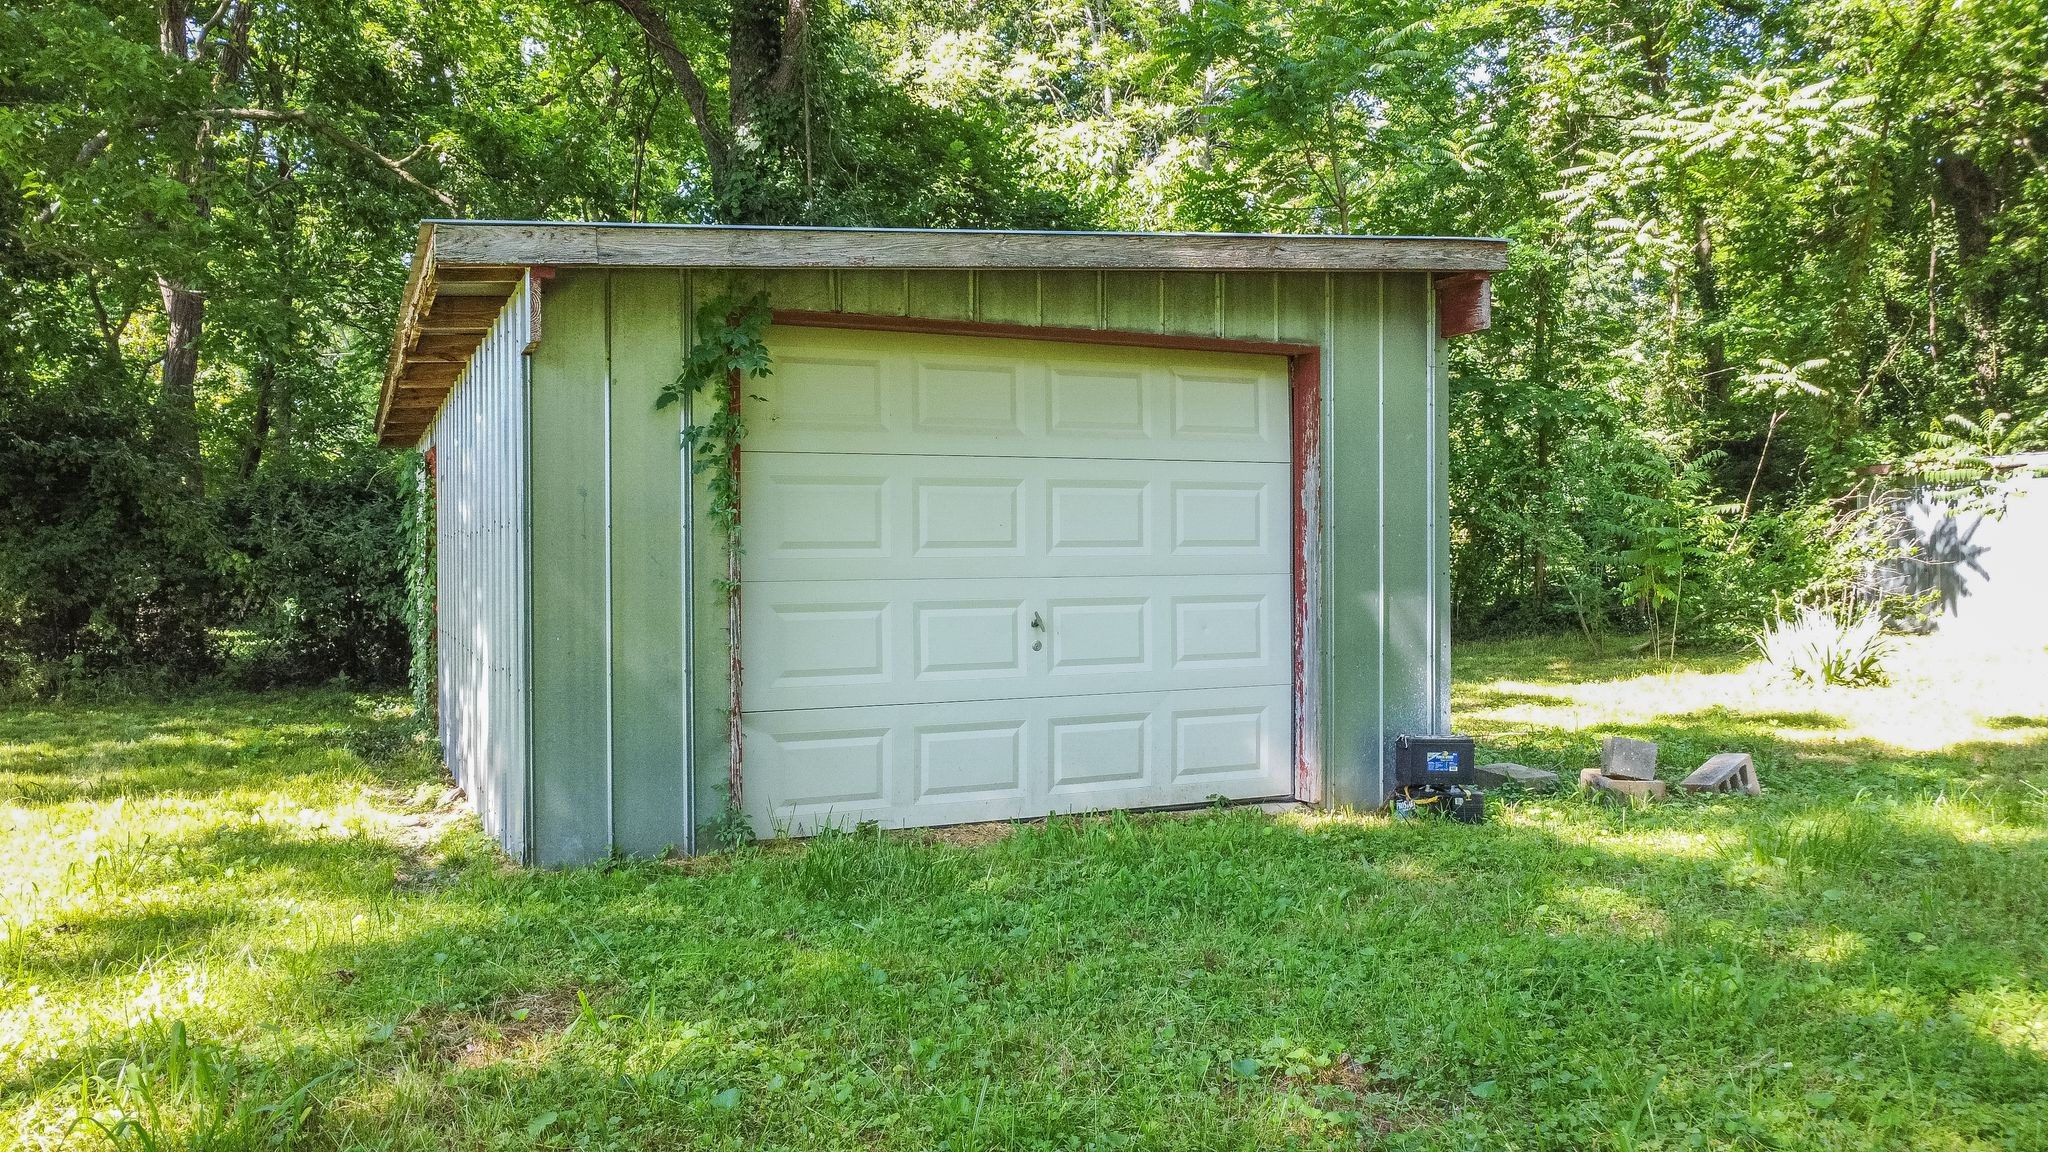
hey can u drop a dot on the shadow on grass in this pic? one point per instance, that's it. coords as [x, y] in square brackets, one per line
[1562, 661]
[60, 753]
[1492, 697]
[151, 921]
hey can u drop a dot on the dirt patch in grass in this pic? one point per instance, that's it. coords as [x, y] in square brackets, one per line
[968, 835]
[501, 1030]
[422, 836]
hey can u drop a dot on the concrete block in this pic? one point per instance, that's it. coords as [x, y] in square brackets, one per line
[1725, 772]
[1628, 759]
[1615, 788]
[1520, 775]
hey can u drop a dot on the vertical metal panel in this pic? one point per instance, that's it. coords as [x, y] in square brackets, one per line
[570, 549]
[1251, 305]
[480, 440]
[1006, 297]
[1353, 490]
[1190, 301]
[1300, 300]
[801, 288]
[945, 295]
[874, 293]
[1070, 299]
[1131, 301]
[704, 551]
[1440, 518]
[1408, 383]
[649, 785]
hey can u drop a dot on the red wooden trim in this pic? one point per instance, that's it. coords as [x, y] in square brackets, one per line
[865, 322]
[735, 728]
[1464, 303]
[1305, 393]
[1305, 401]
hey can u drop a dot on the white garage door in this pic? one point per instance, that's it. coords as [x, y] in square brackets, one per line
[989, 579]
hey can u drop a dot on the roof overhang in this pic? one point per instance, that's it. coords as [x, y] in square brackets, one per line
[463, 272]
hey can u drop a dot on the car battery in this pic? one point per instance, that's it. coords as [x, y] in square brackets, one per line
[1434, 762]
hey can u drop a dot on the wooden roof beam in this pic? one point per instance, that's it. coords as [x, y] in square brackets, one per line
[465, 243]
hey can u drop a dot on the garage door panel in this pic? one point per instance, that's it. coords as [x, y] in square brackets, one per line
[826, 642]
[964, 396]
[879, 642]
[933, 764]
[989, 579]
[831, 510]
[958, 516]
[829, 395]
[814, 516]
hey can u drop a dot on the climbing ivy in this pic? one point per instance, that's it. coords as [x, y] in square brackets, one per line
[729, 349]
[416, 489]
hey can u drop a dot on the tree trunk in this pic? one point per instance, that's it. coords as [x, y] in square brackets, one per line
[259, 424]
[764, 121]
[1706, 289]
[1972, 195]
[177, 397]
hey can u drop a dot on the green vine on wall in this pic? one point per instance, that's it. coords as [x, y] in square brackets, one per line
[729, 348]
[416, 490]
[728, 351]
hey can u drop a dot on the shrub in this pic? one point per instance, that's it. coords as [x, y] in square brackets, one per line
[109, 568]
[319, 565]
[1822, 646]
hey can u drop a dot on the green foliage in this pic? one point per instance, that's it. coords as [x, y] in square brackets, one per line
[728, 351]
[1959, 453]
[1822, 646]
[418, 525]
[107, 569]
[731, 829]
[318, 587]
[1760, 251]
[186, 1094]
[112, 571]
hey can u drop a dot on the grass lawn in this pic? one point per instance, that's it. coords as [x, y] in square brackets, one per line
[243, 920]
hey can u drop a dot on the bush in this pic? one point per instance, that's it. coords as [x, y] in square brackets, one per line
[114, 573]
[318, 562]
[109, 567]
[1820, 646]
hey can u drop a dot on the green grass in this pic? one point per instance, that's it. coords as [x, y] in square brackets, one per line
[248, 921]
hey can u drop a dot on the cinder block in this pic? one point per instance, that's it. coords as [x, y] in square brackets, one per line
[1628, 759]
[1725, 772]
[1633, 791]
[1521, 775]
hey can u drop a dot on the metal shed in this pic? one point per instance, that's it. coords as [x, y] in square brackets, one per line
[1034, 522]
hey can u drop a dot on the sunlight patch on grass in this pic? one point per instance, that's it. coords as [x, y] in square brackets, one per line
[1828, 947]
[1581, 906]
[2016, 1019]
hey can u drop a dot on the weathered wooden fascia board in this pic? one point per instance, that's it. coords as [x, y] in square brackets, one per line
[403, 333]
[714, 246]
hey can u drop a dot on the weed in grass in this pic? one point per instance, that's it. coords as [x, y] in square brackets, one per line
[185, 1094]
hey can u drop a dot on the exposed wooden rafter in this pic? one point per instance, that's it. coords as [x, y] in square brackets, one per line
[447, 311]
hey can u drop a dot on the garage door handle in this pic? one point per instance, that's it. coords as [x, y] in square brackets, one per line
[1037, 621]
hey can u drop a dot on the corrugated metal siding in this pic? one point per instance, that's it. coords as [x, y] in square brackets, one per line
[480, 441]
[572, 617]
[619, 698]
